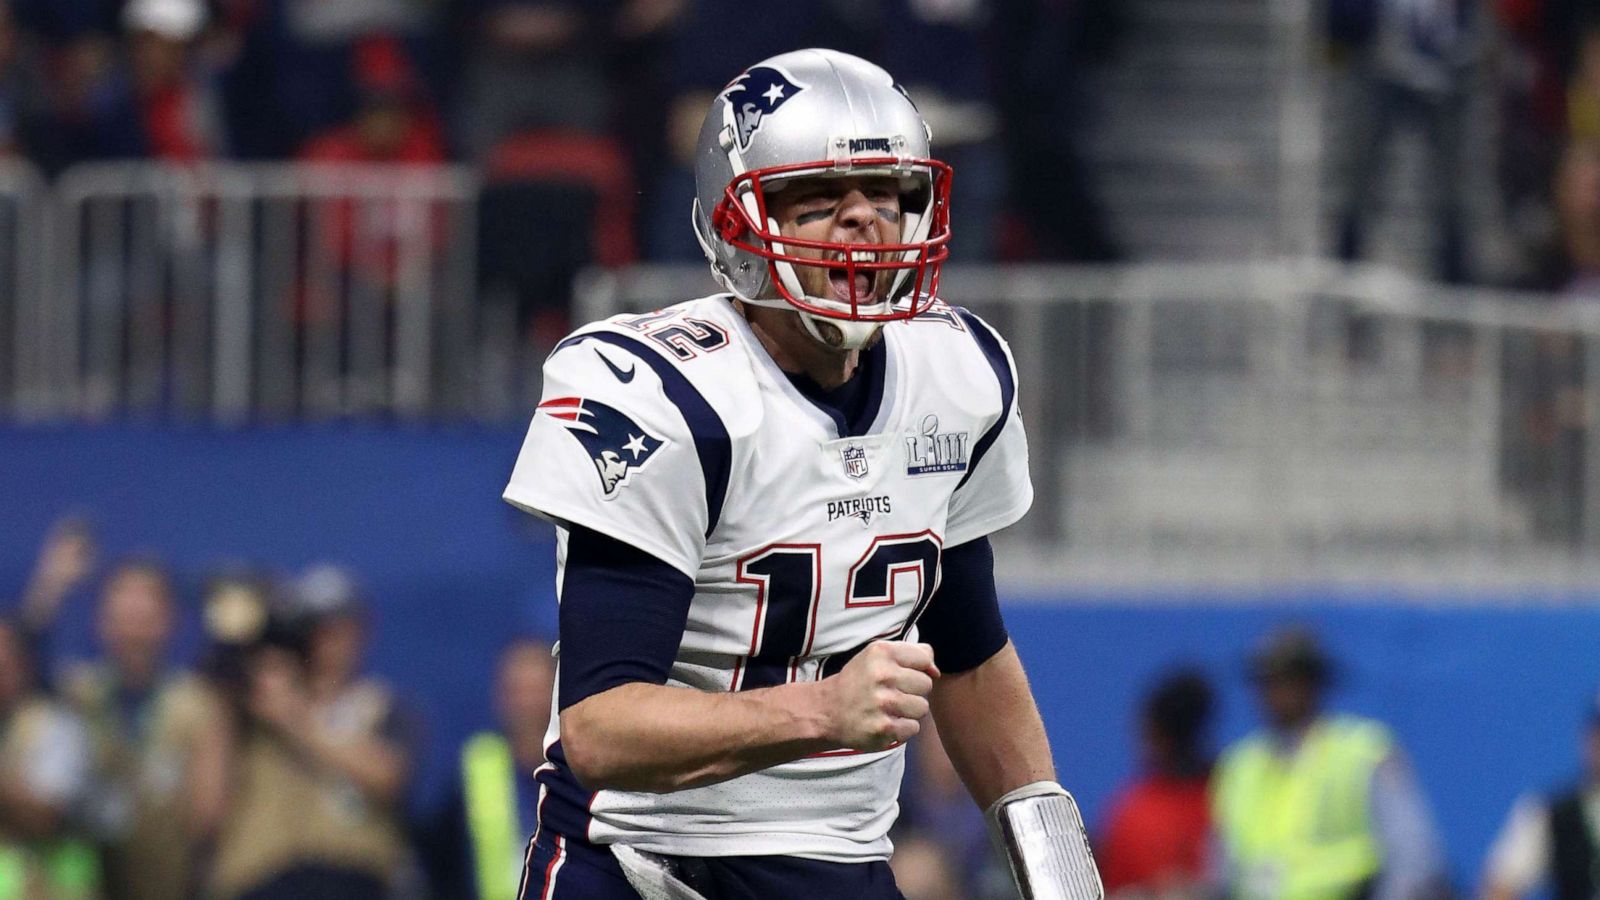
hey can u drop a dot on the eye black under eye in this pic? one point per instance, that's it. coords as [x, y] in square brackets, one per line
[815, 215]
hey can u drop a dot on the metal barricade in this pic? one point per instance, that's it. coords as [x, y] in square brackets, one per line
[1199, 424]
[23, 232]
[1282, 423]
[234, 291]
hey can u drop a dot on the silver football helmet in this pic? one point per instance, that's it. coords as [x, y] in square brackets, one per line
[817, 113]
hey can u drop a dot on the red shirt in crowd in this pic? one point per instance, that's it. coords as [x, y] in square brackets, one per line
[1156, 834]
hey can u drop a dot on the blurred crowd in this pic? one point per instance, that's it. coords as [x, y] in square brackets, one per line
[1320, 803]
[272, 764]
[589, 108]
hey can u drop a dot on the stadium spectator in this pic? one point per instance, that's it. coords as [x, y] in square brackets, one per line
[170, 86]
[65, 561]
[158, 740]
[493, 806]
[312, 53]
[80, 71]
[1317, 804]
[393, 122]
[1546, 430]
[642, 86]
[149, 96]
[364, 238]
[940, 51]
[1042, 51]
[44, 775]
[1553, 839]
[22, 90]
[324, 763]
[1532, 117]
[534, 65]
[1156, 835]
[1411, 63]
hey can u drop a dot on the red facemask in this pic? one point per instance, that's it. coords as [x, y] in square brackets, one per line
[925, 258]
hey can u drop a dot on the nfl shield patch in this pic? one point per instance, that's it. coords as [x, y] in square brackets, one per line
[855, 461]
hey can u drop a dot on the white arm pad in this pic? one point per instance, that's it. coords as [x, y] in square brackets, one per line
[1042, 835]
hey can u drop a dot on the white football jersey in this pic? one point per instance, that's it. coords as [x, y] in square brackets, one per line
[676, 433]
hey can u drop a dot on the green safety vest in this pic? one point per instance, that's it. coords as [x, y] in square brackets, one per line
[489, 786]
[1299, 827]
[61, 870]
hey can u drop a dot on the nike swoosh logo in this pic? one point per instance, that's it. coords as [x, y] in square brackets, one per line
[623, 376]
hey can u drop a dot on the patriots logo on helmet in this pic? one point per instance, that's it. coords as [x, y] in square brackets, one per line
[755, 95]
[617, 444]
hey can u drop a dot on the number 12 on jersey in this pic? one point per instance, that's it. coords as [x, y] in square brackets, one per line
[788, 583]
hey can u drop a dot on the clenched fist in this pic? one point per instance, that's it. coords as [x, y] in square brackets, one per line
[879, 697]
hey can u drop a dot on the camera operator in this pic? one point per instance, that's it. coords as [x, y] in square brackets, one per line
[324, 758]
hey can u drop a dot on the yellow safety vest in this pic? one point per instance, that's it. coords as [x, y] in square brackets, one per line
[1299, 827]
[489, 786]
[57, 870]
[62, 868]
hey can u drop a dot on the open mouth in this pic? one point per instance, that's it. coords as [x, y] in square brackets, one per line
[865, 281]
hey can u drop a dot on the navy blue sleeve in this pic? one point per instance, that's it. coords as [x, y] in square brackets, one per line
[622, 615]
[962, 622]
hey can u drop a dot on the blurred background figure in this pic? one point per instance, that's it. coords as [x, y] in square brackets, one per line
[942, 847]
[158, 739]
[493, 805]
[65, 561]
[1411, 61]
[324, 760]
[1546, 430]
[1052, 48]
[1316, 804]
[23, 100]
[170, 87]
[1157, 833]
[516, 43]
[44, 777]
[1553, 840]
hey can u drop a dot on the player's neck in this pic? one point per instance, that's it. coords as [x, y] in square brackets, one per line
[797, 352]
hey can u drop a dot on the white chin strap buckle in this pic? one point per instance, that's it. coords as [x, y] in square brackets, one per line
[839, 334]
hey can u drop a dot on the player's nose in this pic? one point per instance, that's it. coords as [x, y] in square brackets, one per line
[857, 217]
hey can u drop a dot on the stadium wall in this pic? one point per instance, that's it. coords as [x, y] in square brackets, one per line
[1486, 692]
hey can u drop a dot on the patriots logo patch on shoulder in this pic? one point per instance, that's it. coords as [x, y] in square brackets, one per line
[615, 443]
[755, 95]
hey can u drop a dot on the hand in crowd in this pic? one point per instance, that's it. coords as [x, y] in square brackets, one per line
[65, 560]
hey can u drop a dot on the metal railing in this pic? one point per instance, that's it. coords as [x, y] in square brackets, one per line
[1284, 423]
[23, 224]
[237, 291]
[1230, 423]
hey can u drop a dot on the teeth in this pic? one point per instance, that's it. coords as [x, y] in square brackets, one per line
[863, 256]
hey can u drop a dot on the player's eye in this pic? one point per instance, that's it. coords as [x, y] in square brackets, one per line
[815, 215]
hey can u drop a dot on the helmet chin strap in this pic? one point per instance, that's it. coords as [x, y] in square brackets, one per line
[839, 334]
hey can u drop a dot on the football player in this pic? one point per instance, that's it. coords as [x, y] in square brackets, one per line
[773, 506]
